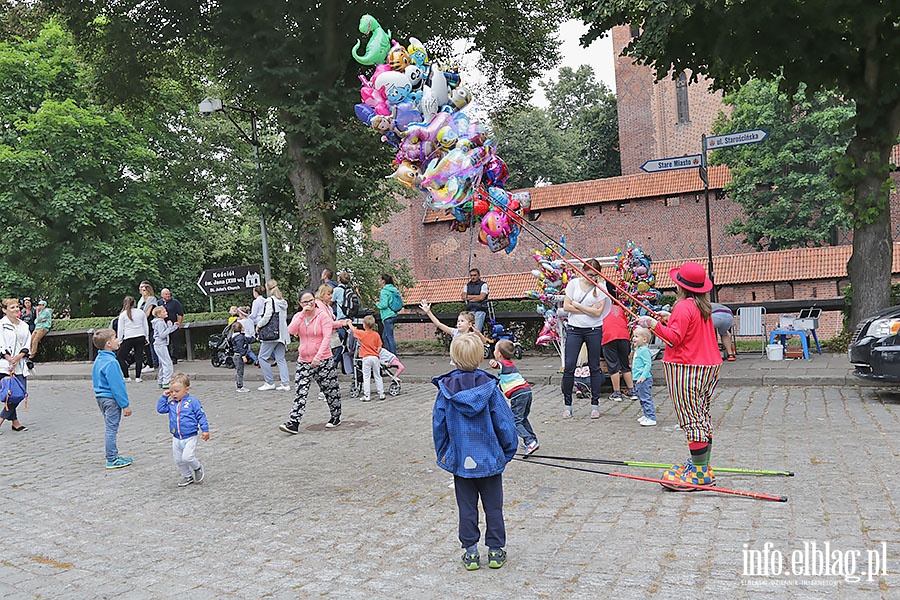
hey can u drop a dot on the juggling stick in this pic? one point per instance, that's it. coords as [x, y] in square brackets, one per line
[708, 488]
[647, 465]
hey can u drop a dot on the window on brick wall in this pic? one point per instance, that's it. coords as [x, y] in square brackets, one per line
[673, 201]
[534, 215]
[635, 30]
[681, 99]
[577, 211]
[784, 291]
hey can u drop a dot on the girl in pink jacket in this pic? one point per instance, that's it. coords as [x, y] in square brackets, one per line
[313, 325]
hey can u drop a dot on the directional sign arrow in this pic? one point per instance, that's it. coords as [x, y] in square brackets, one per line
[739, 138]
[673, 164]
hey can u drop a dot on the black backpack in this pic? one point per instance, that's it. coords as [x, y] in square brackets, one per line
[350, 305]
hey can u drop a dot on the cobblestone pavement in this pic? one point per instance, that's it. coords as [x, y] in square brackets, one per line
[362, 511]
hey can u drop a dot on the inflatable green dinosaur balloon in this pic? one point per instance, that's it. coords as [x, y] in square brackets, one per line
[379, 44]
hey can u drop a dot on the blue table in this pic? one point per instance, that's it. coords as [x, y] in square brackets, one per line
[784, 333]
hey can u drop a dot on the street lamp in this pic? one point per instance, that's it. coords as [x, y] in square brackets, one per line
[212, 105]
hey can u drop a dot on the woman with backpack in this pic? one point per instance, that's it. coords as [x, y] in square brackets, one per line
[272, 333]
[390, 302]
[15, 340]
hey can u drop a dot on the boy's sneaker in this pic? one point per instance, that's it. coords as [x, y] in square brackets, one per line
[198, 474]
[496, 558]
[333, 422]
[381, 398]
[292, 427]
[283, 388]
[118, 463]
[616, 396]
[367, 398]
[266, 387]
[632, 395]
[322, 396]
[530, 448]
[472, 561]
[243, 390]
[645, 422]
[186, 482]
[138, 380]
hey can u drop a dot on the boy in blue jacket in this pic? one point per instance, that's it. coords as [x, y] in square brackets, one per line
[474, 437]
[109, 389]
[186, 419]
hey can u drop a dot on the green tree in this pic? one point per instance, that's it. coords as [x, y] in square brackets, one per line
[294, 58]
[533, 148]
[575, 139]
[785, 184]
[839, 45]
[587, 111]
[96, 198]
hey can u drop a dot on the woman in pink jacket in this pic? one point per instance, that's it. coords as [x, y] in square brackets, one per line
[313, 325]
[691, 362]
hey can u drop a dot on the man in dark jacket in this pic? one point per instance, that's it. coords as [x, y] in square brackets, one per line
[475, 295]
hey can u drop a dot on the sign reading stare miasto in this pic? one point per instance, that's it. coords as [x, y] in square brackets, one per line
[672, 164]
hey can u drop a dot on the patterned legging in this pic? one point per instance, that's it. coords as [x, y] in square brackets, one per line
[323, 374]
[691, 387]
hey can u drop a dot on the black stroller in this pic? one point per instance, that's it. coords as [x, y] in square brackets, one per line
[221, 351]
[498, 332]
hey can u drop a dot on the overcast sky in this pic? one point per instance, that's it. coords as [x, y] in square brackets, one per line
[599, 56]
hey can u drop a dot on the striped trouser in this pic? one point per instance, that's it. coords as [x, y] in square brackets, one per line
[691, 387]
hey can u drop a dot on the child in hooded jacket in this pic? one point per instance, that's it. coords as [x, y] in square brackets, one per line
[474, 438]
[186, 420]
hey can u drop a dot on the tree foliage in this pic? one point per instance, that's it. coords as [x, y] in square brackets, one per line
[575, 139]
[841, 45]
[292, 59]
[785, 184]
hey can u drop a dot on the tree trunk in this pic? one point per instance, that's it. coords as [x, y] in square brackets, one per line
[315, 225]
[870, 268]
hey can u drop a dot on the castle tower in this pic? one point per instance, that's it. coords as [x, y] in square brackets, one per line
[658, 119]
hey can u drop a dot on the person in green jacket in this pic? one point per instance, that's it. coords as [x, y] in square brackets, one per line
[389, 306]
[41, 326]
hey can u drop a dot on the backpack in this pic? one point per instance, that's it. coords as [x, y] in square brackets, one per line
[350, 305]
[396, 304]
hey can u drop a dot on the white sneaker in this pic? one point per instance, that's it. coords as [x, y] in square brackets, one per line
[266, 387]
[148, 369]
[128, 379]
[283, 388]
[322, 396]
[645, 422]
[243, 390]
[138, 380]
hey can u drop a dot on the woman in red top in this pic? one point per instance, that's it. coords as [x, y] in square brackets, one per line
[691, 362]
[617, 348]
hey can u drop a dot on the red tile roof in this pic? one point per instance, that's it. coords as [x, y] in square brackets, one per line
[760, 267]
[612, 189]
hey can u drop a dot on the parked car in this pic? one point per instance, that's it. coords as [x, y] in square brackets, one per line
[875, 346]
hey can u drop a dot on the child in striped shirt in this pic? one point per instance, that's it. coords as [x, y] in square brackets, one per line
[517, 391]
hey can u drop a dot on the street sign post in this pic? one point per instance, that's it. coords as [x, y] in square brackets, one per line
[738, 138]
[229, 280]
[672, 164]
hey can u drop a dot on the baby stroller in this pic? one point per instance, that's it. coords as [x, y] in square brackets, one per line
[221, 351]
[392, 383]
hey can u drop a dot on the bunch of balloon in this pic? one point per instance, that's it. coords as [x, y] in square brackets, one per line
[424, 111]
[552, 276]
[635, 274]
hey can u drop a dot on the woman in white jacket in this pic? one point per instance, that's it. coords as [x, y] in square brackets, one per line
[133, 334]
[15, 340]
[276, 308]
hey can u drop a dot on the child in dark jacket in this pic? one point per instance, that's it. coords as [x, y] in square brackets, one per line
[474, 437]
[186, 419]
[241, 352]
